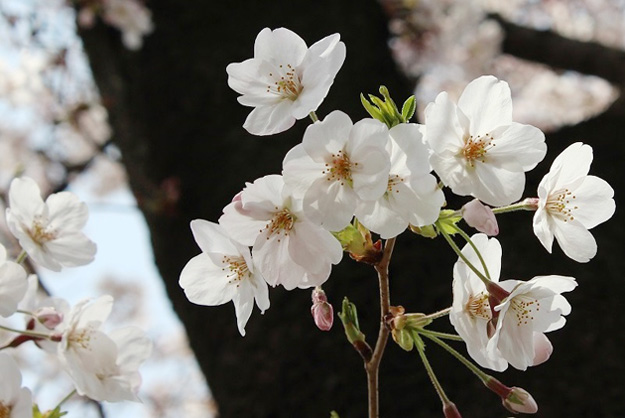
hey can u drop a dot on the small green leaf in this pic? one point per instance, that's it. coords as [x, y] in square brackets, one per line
[409, 108]
[371, 110]
[334, 414]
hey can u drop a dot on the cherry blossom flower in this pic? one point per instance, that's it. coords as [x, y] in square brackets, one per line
[15, 401]
[476, 148]
[131, 17]
[285, 80]
[104, 367]
[471, 312]
[571, 202]
[412, 195]
[288, 249]
[50, 231]
[13, 284]
[337, 165]
[532, 309]
[223, 272]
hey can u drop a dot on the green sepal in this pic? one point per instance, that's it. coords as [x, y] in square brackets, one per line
[54, 413]
[447, 221]
[409, 108]
[371, 110]
[418, 341]
[351, 239]
[427, 231]
[403, 338]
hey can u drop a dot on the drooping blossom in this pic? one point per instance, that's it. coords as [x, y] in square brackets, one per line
[288, 249]
[412, 195]
[103, 366]
[532, 309]
[480, 217]
[15, 401]
[477, 149]
[51, 231]
[131, 17]
[571, 202]
[285, 80]
[223, 272]
[13, 284]
[471, 313]
[337, 165]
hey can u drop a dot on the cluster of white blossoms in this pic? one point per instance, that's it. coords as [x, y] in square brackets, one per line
[103, 365]
[346, 180]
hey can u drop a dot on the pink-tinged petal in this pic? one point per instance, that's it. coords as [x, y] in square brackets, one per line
[542, 348]
[572, 165]
[327, 137]
[575, 241]
[261, 197]
[487, 102]
[516, 342]
[443, 127]
[517, 147]
[239, 225]
[280, 46]
[271, 255]
[543, 229]
[206, 283]
[269, 120]
[594, 202]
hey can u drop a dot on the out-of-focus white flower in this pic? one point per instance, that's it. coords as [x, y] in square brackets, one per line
[480, 217]
[532, 309]
[104, 367]
[285, 80]
[471, 313]
[337, 165]
[224, 272]
[571, 202]
[476, 148]
[92, 122]
[50, 231]
[13, 284]
[288, 249]
[412, 195]
[131, 17]
[15, 401]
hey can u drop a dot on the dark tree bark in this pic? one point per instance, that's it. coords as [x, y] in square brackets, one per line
[179, 125]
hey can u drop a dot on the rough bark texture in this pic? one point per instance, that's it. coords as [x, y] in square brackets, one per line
[177, 123]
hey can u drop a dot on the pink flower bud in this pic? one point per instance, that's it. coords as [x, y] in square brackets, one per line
[49, 317]
[480, 217]
[520, 401]
[321, 310]
[542, 348]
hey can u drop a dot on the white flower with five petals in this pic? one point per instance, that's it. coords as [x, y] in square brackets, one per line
[477, 149]
[288, 249]
[337, 165]
[15, 401]
[285, 80]
[224, 272]
[571, 202]
[50, 231]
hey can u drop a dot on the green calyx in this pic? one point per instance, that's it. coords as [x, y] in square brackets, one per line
[385, 110]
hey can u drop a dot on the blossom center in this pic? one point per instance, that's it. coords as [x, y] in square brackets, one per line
[5, 410]
[524, 308]
[478, 307]
[559, 204]
[287, 83]
[81, 337]
[339, 168]
[281, 223]
[475, 148]
[40, 232]
[393, 181]
[236, 267]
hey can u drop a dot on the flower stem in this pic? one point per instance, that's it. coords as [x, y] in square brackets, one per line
[65, 399]
[439, 314]
[428, 367]
[20, 258]
[313, 116]
[372, 367]
[443, 335]
[26, 332]
[529, 204]
[457, 250]
[467, 238]
[476, 370]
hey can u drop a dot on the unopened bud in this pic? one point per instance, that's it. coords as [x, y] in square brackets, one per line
[49, 317]
[349, 318]
[520, 401]
[321, 310]
[450, 410]
[480, 217]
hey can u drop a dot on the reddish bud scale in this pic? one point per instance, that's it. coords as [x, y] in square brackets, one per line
[451, 411]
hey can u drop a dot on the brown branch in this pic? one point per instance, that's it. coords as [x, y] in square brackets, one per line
[557, 51]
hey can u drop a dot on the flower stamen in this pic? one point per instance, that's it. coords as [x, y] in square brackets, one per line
[340, 168]
[237, 269]
[559, 204]
[475, 148]
[478, 306]
[287, 85]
